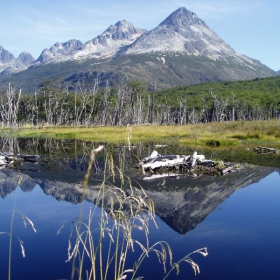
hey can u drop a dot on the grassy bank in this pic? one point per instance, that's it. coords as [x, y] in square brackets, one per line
[225, 134]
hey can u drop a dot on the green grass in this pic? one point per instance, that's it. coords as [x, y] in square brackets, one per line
[225, 134]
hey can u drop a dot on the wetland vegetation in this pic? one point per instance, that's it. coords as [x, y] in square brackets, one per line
[65, 127]
[215, 134]
[232, 114]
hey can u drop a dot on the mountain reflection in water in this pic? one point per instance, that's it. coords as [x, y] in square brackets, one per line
[182, 204]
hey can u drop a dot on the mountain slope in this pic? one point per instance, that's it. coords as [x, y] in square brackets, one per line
[181, 50]
[60, 51]
[26, 58]
[163, 69]
[183, 32]
[9, 64]
[105, 45]
[8, 61]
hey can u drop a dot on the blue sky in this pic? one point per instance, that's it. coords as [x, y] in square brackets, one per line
[251, 27]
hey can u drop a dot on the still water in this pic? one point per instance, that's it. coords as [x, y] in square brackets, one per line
[235, 216]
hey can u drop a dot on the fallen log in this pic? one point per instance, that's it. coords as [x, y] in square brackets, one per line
[164, 162]
[153, 155]
[9, 159]
[264, 150]
[159, 166]
[32, 158]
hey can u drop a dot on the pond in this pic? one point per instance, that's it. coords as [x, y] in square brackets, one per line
[235, 216]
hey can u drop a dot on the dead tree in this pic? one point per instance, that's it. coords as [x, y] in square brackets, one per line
[182, 117]
[92, 101]
[9, 107]
[218, 110]
[151, 103]
[105, 104]
[81, 100]
[119, 107]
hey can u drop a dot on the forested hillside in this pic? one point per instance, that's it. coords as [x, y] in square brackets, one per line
[90, 104]
[234, 100]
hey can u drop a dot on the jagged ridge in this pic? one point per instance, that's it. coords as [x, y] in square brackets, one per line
[182, 35]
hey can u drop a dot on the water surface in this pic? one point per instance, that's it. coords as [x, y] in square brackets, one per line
[235, 216]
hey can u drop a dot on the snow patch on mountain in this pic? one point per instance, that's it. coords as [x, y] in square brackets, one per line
[60, 52]
[183, 32]
[105, 45]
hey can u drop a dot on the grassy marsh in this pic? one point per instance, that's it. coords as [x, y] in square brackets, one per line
[223, 134]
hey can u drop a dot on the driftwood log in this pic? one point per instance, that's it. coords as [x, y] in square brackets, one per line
[158, 166]
[10, 159]
[264, 150]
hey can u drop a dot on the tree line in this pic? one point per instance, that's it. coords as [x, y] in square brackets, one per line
[131, 103]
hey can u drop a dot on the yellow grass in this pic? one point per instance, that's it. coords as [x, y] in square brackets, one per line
[210, 134]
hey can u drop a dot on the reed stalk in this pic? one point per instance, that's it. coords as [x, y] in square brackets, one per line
[124, 208]
[26, 221]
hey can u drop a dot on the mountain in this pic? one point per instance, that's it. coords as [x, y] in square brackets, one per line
[7, 60]
[9, 64]
[181, 50]
[105, 45]
[182, 204]
[182, 32]
[26, 58]
[60, 52]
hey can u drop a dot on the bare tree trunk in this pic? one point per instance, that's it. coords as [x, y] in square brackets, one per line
[105, 108]
[92, 105]
[118, 117]
[9, 107]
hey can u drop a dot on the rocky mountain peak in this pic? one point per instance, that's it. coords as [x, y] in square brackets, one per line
[26, 58]
[182, 32]
[178, 39]
[60, 51]
[180, 18]
[8, 61]
[122, 30]
[70, 45]
[6, 56]
[107, 44]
